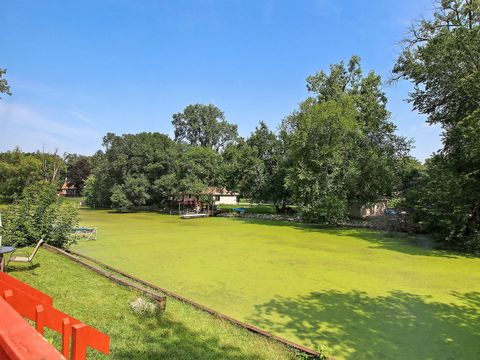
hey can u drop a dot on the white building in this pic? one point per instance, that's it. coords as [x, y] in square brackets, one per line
[223, 196]
[220, 196]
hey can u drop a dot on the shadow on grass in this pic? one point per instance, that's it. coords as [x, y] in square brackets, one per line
[397, 326]
[404, 243]
[163, 338]
[22, 268]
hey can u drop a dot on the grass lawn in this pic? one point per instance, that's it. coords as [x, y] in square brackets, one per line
[361, 292]
[182, 332]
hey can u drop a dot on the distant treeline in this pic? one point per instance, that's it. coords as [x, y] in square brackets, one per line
[19, 169]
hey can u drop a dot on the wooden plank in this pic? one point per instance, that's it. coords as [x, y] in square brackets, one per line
[19, 340]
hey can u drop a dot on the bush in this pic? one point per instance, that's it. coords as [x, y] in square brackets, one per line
[37, 214]
[142, 306]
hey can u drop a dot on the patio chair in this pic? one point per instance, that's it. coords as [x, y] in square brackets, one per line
[25, 259]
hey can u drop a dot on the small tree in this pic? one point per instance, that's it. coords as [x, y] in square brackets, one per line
[37, 214]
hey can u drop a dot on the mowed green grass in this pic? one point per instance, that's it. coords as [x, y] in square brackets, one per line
[362, 293]
[181, 332]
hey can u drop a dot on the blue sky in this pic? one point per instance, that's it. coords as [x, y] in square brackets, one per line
[80, 69]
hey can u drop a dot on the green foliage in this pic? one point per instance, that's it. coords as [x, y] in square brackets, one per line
[38, 214]
[4, 87]
[325, 352]
[446, 205]
[119, 199]
[130, 165]
[341, 145]
[132, 193]
[200, 164]
[256, 167]
[205, 126]
[321, 138]
[441, 59]
[147, 169]
[19, 169]
[78, 170]
[97, 192]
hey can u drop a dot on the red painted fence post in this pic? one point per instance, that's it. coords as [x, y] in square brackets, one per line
[79, 342]
[66, 335]
[39, 318]
[31, 303]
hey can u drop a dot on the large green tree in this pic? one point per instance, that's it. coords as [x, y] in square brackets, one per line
[441, 58]
[342, 145]
[378, 159]
[321, 145]
[204, 125]
[147, 169]
[130, 164]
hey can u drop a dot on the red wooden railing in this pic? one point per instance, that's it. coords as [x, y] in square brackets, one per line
[20, 341]
[37, 306]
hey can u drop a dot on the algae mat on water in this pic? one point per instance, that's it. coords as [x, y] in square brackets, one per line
[363, 293]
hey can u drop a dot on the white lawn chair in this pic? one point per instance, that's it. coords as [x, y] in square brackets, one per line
[25, 259]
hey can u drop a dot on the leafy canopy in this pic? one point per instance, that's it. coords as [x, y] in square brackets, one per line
[39, 213]
[341, 144]
[204, 125]
[441, 58]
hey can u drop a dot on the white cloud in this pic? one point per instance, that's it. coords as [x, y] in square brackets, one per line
[33, 129]
[81, 117]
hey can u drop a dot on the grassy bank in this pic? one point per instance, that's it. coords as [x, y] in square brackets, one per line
[182, 332]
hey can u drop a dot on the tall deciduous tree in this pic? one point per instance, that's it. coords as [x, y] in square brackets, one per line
[321, 139]
[129, 163]
[204, 125]
[342, 145]
[377, 161]
[441, 58]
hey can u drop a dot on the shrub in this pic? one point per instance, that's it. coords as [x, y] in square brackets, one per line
[38, 213]
[142, 306]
